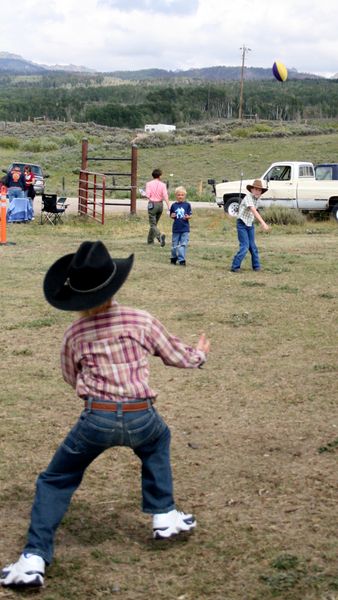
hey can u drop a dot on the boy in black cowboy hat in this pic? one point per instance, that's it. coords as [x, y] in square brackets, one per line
[104, 357]
[247, 213]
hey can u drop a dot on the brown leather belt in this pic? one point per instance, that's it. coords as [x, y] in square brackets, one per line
[113, 406]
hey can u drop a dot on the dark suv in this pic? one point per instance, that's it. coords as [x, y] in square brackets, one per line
[39, 184]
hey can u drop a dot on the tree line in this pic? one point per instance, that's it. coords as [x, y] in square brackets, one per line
[83, 99]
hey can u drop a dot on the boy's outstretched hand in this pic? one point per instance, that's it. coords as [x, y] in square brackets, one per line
[203, 344]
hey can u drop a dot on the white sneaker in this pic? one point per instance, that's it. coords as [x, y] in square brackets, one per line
[28, 571]
[171, 523]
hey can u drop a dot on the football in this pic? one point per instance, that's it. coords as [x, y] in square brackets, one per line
[280, 71]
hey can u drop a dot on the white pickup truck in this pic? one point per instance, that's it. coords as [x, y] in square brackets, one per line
[290, 184]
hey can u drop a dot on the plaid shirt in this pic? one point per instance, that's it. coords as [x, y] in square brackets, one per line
[106, 355]
[244, 212]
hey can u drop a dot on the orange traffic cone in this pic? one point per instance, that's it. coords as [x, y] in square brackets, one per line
[3, 210]
[3, 206]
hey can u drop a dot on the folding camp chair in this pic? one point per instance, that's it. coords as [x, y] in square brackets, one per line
[52, 209]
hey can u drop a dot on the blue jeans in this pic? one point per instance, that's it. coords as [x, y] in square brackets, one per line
[144, 431]
[179, 245]
[246, 238]
[15, 192]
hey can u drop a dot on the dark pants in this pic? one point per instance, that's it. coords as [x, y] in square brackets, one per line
[155, 210]
[31, 192]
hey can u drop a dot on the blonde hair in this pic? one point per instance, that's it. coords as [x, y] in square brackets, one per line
[180, 188]
[90, 312]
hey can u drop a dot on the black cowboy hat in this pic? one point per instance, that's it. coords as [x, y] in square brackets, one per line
[86, 278]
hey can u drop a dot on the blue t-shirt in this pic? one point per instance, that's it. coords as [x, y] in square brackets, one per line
[180, 209]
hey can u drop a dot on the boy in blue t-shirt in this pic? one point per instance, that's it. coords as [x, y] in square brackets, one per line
[180, 212]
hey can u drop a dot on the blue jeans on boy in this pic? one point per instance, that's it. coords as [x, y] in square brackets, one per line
[144, 431]
[179, 245]
[246, 238]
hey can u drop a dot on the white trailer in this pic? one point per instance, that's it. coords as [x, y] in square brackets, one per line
[159, 128]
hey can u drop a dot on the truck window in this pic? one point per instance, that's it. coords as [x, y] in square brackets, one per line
[324, 173]
[306, 171]
[279, 173]
[286, 174]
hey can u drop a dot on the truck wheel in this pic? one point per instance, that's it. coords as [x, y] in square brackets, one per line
[231, 207]
[334, 212]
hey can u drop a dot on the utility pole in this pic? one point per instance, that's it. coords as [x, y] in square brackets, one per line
[244, 51]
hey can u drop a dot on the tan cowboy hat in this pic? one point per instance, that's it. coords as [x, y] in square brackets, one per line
[257, 184]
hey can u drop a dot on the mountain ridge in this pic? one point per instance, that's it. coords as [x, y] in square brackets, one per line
[14, 64]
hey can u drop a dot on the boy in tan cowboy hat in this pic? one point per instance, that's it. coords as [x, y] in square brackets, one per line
[247, 213]
[104, 357]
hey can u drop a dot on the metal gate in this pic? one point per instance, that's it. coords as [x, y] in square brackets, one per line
[93, 185]
[92, 195]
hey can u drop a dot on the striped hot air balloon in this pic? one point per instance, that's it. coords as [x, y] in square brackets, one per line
[280, 71]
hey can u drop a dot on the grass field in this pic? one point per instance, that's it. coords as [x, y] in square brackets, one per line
[255, 432]
[187, 158]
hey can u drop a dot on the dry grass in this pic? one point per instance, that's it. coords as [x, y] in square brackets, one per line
[255, 433]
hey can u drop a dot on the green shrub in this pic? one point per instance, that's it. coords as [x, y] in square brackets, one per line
[40, 145]
[32, 145]
[9, 143]
[153, 141]
[69, 140]
[320, 215]
[240, 132]
[49, 146]
[256, 130]
[262, 128]
[283, 216]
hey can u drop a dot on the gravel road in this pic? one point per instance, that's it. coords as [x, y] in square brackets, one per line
[123, 206]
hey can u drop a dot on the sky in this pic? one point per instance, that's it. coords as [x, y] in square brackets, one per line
[111, 35]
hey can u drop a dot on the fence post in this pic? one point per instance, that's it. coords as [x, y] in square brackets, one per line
[84, 158]
[133, 179]
[83, 183]
[94, 197]
[103, 198]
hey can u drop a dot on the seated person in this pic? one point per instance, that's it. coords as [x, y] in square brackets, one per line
[16, 183]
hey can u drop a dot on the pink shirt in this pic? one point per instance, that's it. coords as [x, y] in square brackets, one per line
[106, 355]
[156, 190]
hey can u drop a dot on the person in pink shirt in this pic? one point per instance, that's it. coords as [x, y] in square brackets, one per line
[156, 192]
